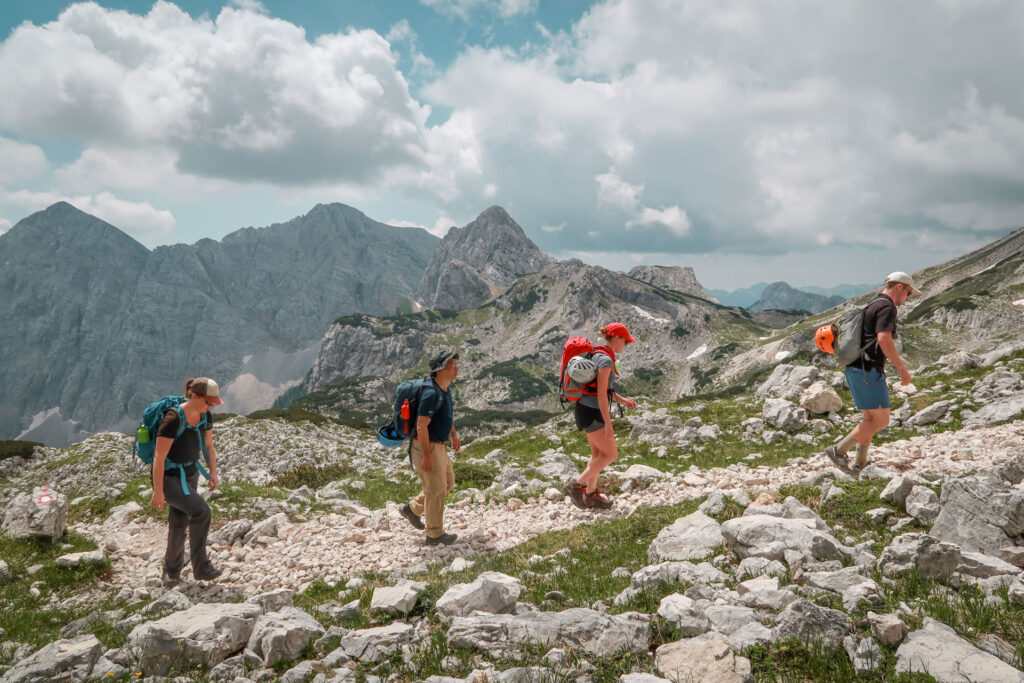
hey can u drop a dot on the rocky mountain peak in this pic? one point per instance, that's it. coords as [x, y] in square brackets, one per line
[475, 263]
[780, 295]
[62, 226]
[677, 278]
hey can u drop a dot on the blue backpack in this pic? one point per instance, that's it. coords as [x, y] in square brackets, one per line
[145, 436]
[403, 415]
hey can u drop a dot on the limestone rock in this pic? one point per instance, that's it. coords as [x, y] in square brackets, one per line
[931, 414]
[788, 381]
[819, 398]
[705, 658]
[79, 559]
[231, 532]
[898, 488]
[397, 599]
[811, 623]
[937, 650]
[42, 513]
[282, 636]
[579, 628]
[491, 592]
[930, 556]
[765, 536]
[688, 538]
[204, 635]
[923, 504]
[784, 415]
[849, 583]
[864, 654]
[980, 513]
[62, 661]
[378, 643]
[888, 628]
[685, 614]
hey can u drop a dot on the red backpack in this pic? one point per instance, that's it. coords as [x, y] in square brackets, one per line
[578, 374]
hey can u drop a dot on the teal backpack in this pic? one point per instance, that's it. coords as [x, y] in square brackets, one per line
[145, 436]
[404, 412]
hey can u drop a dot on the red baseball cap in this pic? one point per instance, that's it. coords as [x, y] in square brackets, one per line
[618, 330]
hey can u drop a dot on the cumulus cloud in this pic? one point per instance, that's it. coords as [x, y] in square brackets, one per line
[139, 219]
[243, 96]
[5, 225]
[672, 217]
[553, 228]
[19, 160]
[614, 191]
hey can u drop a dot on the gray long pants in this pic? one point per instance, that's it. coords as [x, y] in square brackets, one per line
[185, 514]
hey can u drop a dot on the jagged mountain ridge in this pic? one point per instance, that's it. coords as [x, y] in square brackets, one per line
[780, 296]
[475, 263]
[677, 278]
[511, 346]
[97, 326]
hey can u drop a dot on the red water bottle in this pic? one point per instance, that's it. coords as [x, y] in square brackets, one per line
[404, 425]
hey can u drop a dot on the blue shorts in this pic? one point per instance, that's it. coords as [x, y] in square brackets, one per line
[869, 389]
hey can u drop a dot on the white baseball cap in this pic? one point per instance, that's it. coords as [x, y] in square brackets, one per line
[903, 278]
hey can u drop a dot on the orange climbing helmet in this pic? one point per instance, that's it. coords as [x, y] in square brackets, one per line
[825, 338]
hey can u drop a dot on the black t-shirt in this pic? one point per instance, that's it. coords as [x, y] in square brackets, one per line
[879, 316]
[441, 411]
[185, 449]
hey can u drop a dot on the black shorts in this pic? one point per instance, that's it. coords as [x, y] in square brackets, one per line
[588, 419]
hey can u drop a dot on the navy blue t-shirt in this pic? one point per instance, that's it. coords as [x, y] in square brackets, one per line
[440, 411]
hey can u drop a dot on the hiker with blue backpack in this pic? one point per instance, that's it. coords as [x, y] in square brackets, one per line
[593, 409]
[184, 434]
[434, 427]
[865, 375]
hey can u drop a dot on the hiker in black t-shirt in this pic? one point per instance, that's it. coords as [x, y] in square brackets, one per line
[866, 377]
[176, 476]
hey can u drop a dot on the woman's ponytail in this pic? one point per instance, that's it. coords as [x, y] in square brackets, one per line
[188, 386]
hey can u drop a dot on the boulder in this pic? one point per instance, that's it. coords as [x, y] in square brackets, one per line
[267, 528]
[849, 583]
[888, 628]
[491, 592]
[80, 559]
[685, 614]
[819, 398]
[715, 503]
[705, 658]
[784, 415]
[120, 514]
[812, 624]
[273, 600]
[864, 654]
[63, 661]
[727, 619]
[922, 504]
[931, 414]
[981, 513]
[1009, 408]
[936, 649]
[688, 538]
[1000, 383]
[582, 629]
[203, 635]
[397, 599]
[40, 514]
[377, 644]
[758, 566]
[770, 537]
[666, 573]
[231, 532]
[959, 360]
[927, 554]
[788, 381]
[282, 636]
[898, 488]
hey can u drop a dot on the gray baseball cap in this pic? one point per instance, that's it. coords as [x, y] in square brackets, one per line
[441, 359]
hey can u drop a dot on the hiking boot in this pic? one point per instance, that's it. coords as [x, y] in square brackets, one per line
[411, 516]
[443, 539]
[597, 500]
[856, 469]
[207, 573]
[837, 458]
[576, 492]
[169, 580]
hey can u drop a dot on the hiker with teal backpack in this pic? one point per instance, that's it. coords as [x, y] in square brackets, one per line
[183, 436]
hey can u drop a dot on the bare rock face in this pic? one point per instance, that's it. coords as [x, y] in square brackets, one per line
[477, 262]
[677, 278]
[77, 297]
[42, 513]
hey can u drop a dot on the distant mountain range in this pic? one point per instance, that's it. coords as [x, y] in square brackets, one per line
[96, 326]
[746, 297]
[780, 296]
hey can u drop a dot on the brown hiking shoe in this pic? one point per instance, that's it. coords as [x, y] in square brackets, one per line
[443, 539]
[838, 459]
[413, 518]
[597, 500]
[576, 492]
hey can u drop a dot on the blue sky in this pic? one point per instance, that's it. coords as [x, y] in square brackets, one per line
[754, 140]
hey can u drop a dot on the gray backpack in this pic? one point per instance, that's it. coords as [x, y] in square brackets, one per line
[851, 327]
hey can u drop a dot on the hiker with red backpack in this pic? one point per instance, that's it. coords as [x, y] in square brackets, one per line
[184, 431]
[593, 407]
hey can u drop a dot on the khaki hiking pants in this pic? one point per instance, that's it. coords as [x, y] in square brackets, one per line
[436, 485]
